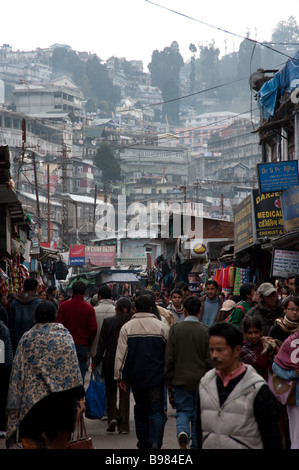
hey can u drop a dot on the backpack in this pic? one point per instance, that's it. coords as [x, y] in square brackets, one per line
[239, 306]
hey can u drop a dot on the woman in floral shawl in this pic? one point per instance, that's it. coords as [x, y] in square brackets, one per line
[45, 385]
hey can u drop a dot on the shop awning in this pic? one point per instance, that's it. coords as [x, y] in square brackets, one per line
[107, 278]
[97, 278]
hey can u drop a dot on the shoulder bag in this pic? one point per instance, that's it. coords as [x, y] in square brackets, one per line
[284, 391]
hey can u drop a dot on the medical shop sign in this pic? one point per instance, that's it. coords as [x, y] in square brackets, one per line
[268, 214]
[77, 255]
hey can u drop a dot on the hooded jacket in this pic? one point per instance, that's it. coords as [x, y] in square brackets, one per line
[21, 315]
[266, 316]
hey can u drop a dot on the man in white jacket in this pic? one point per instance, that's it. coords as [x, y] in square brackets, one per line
[235, 409]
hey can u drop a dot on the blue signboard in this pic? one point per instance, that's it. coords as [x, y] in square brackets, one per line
[290, 208]
[277, 176]
[77, 261]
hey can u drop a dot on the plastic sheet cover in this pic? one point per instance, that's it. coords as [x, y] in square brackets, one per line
[286, 80]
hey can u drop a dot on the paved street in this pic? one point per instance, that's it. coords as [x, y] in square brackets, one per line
[104, 440]
[96, 429]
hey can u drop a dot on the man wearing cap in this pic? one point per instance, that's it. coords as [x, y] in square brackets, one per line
[226, 310]
[269, 307]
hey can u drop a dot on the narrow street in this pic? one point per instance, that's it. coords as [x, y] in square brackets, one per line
[96, 429]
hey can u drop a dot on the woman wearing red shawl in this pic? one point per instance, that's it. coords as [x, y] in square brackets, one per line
[286, 366]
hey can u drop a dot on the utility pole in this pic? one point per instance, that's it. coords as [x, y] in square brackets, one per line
[19, 162]
[197, 186]
[95, 205]
[37, 198]
[48, 189]
[65, 190]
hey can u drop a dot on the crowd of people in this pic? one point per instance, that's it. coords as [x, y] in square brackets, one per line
[211, 357]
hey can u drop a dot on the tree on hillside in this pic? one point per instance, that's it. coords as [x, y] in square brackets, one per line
[286, 32]
[91, 76]
[67, 62]
[107, 163]
[101, 87]
[165, 69]
[193, 50]
[285, 39]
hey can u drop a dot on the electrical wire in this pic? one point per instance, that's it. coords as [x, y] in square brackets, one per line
[220, 29]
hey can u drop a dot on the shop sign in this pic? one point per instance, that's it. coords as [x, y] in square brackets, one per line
[52, 245]
[199, 248]
[277, 176]
[284, 262]
[100, 255]
[290, 208]
[243, 225]
[77, 255]
[268, 214]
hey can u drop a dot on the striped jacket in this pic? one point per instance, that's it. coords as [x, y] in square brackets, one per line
[140, 351]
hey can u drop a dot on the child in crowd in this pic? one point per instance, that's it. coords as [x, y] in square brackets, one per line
[257, 350]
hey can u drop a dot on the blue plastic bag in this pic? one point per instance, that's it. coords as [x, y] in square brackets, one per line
[95, 398]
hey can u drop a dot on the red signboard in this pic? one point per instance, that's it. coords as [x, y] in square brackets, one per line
[49, 245]
[77, 255]
[77, 250]
[100, 255]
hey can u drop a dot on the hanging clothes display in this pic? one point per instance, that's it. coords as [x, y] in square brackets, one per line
[241, 275]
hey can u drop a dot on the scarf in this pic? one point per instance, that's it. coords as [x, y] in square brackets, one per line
[287, 325]
[287, 356]
[45, 362]
[251, 352]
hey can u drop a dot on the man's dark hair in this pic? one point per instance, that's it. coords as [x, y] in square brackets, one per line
[185, 288]
[150, 292]
[231, 333]
[212, 281]
[124, 304]
[79, 288]
[192, 305]
[51, 289]
[176, 291]
[246, 289]
[291, 298]
[291, 276]
[45, 312]
[143, 303]
[105, 292]
[30, 283]
[180, 284]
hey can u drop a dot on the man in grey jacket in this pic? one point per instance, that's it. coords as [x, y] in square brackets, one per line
[235, 409]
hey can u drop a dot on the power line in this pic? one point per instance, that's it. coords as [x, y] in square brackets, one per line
[221, 29]
[184, 96]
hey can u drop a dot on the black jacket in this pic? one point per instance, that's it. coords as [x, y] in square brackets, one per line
[107, 344]
[265, 315]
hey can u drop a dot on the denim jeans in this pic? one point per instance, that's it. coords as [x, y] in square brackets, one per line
[82, 354]
[185, 413]
[149, 416]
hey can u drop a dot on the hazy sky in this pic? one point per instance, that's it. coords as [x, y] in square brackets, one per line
[134, 28]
